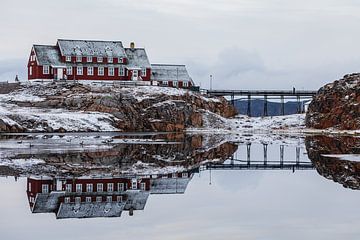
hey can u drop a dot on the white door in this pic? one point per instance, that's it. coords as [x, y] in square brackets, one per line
[60, 74]
[135, 75]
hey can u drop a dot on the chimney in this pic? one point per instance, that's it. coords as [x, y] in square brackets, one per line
[132, 45]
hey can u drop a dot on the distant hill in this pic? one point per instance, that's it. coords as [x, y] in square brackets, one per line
[273, 108]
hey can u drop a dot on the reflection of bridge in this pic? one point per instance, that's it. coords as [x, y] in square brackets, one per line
[248, 164]
[266, 94]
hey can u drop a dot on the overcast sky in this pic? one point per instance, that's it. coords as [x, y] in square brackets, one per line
[247, 44]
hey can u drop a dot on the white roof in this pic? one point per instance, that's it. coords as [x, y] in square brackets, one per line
[90, 210]
[169, 72]
[47, 55]
[91, 48]
[137, 58]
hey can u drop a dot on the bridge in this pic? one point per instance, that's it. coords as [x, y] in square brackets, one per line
[266, 94]
[235, 163]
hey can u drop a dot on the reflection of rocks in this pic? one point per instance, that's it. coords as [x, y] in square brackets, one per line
[336, 105]
[174, 152]
[344, 172]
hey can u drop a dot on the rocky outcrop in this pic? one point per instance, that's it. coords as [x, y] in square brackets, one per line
[344, 172]
[132, 109]
[336, 105]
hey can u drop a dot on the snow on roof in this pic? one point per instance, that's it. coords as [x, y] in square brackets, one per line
[169, 185]
[136, 199]
[169, 72]
[46, 202]
[91, 48]
[137, 57]
[90, 210]
[47, 55]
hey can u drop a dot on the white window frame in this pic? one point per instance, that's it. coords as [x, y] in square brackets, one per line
[89, 187]
[89, 59]
[109, 199]
[68, 188]
[67, 58]
[79, 70]
[143, 72]
[67, 200]
[98, 199]
[143, 186]
[119, 199]
[44, 188]
[102, 72]
[174, 175]
[111, 71]
[88, 199]
[184, 175]
[46, 69]
[110, 60]
[110, 187]
[121, 71]
[29, 186]
[165, 83]
[175, 84]
[99, 59]
[185, 84]
[99, 186]
[69, 70]
[135, 75]
[78, 188]
[90, 71]
[133, 183]
[121, 187]
[120, 60]
[30, 70]
[78, 58]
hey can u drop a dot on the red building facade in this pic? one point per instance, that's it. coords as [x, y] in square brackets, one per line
[101, 61]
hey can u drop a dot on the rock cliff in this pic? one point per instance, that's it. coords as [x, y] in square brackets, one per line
[61, 107]
[336, 105]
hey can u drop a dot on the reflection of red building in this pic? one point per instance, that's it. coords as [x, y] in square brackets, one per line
[99, 197]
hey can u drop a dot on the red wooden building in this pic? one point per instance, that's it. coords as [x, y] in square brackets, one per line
[101, 61]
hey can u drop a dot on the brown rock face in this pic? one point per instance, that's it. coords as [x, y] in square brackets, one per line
[336, 105]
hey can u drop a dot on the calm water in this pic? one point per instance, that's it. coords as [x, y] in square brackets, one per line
[284, 196]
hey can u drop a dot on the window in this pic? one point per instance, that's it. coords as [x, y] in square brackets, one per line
[45, 188]
[100, 59]
[46, 69]
[184, 175]
[120, 60]
[30, 70]
[164, 176]
[69, 70]
[121, 71]
[101, 71]
[90, 71]
[135, 73]
[78, 200]
[79, 70]
[142, 186]
[98, 199]
[67, 200]
[68, 188]
[175, 83]
[99, 187]
[68, 58]
[120, 187]
[174, 175]
[78, 187]
[89, 187]
[166, 83]
[89, 59]
[29, 186]
[143, 72]
[119, 198]
[109, 199]
[110, 187]
[88, 199]
[110, 60]
[111, 71]
[185, 84]
[134, 184]
[78, 58]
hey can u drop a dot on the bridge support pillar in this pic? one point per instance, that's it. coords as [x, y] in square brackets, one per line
[249, 106]
[265, 113]
[281, 155]
[265, 153]
[282, 105]
[248, 153]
